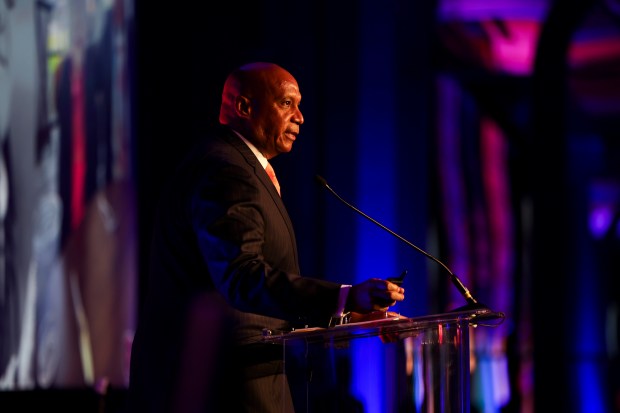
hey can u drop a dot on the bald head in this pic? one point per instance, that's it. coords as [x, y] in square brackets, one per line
[261, 101]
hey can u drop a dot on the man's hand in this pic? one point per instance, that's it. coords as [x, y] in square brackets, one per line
[374, 294]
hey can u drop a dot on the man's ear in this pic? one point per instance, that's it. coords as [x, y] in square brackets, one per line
[243, 106]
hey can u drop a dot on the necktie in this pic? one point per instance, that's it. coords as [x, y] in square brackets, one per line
[272, 175]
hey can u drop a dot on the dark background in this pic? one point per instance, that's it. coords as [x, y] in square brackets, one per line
[556, 148]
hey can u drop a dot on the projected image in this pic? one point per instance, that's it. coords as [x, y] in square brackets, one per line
[67, 212]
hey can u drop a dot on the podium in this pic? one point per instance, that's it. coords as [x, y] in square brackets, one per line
[437, 374]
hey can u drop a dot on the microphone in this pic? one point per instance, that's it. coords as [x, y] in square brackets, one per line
[472, 303]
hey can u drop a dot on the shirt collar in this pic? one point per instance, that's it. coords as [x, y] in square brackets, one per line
[261, 158]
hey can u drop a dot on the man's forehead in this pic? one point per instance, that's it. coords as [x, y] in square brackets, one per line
[290, 86]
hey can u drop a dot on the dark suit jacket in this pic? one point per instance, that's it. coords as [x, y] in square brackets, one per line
[222, 228]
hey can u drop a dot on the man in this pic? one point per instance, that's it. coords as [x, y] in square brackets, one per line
[223, 235]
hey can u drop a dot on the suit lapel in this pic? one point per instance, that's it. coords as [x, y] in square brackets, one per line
[262, 176]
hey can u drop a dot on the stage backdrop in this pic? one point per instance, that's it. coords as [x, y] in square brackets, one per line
[67, 237]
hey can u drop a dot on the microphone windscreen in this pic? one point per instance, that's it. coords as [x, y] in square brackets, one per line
[320, 180]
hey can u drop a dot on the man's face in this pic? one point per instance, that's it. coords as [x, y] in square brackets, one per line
[276, 117]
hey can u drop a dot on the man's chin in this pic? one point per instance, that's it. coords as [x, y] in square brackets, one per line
[285, 148]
